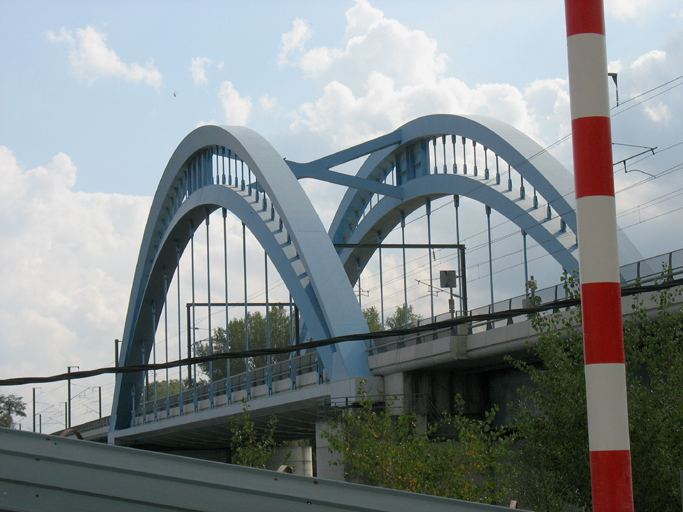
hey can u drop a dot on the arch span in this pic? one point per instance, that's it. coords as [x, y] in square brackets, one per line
[279, 214]
[409, 161]
[284, 223]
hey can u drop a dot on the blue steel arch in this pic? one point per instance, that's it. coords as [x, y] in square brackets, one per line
[294, 238]
[290, 232]
[551, 180]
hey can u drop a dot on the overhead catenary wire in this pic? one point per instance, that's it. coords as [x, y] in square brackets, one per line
[560, 141]
[647, 92]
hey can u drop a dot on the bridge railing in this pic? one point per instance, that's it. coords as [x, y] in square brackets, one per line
[640, 272]
[647, 270]
[303, 364]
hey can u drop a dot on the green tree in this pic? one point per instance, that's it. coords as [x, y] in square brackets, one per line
[173, 386]
[377, 448]
[551, 415]
[10, 405]
[654, 372]
[279, 337]
[372, 318]
[249, 446]
[398, 319]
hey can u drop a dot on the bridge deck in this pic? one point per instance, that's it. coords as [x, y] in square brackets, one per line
[298, 410]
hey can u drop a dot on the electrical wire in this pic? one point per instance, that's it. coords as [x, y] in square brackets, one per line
[647, 92]
[452, 322]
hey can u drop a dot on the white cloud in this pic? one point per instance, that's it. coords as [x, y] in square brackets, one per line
[654, 55]
[213, 122]
[236, 108]
[66, 266]
[659, 113]
[267, 102]
[372, 43]
[198, 69]
[91, 59]
[293, 41]
[383, 74]
[626, 9]
[641, 10]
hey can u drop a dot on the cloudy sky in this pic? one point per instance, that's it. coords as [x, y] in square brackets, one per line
[95, 96]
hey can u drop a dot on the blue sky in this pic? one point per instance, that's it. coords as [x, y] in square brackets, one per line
[95, 96]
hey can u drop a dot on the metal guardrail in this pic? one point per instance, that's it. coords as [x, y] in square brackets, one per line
[639, 272]
[42, 473]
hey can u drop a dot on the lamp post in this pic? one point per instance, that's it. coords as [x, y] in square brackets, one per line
[100, 400]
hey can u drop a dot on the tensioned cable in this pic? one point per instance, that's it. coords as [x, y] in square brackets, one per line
[451, 322]
[647, 92]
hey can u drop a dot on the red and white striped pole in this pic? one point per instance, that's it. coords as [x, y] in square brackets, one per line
[603, 334]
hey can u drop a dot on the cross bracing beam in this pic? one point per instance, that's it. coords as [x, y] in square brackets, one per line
[321, 169]
[346, 155]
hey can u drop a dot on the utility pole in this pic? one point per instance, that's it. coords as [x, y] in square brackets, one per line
[608, 427]
[68, 417]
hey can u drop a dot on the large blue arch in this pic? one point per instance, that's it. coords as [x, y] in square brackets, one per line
[288, 228]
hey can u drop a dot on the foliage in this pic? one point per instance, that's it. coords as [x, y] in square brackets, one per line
[398, 319]
[551, 417]
[654, 372]
[10, 405]
[173, 386]
[258, 323]
[377, 448]
[372, 318]
[249, 447]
